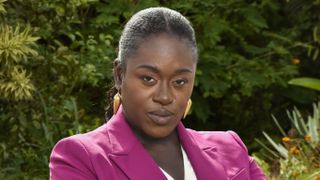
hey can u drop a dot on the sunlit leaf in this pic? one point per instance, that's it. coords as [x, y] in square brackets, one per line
[306, 82]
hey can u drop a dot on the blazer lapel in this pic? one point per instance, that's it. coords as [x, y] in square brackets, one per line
[201, 157]
[128, 153]
[137, 166]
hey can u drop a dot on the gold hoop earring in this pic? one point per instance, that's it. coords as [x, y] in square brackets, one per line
[116, 102]
[187, 108]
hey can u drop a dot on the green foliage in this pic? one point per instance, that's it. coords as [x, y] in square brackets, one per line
[18, 87]
[311, 83]
[242, 59]
[2, 9]
[70, 67]
[15, 46]
[299, 154]
[265, 167]
[60, 53]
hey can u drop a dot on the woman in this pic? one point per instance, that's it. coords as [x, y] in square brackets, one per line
[145, 139]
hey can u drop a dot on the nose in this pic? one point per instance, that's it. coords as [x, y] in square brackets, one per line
[163, 94]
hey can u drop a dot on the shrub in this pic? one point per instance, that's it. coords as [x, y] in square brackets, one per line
[299, 153]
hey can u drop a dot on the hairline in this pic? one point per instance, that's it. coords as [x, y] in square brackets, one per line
[180, 38]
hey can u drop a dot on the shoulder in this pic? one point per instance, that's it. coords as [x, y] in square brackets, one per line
[228, 148]
[217, 139]
[79, 153]
[89, 142]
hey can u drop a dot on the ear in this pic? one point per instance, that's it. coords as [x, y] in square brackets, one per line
[118, 73]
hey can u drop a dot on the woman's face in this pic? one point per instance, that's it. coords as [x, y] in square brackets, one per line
[156, 84]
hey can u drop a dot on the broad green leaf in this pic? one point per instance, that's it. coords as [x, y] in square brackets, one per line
[306, 82]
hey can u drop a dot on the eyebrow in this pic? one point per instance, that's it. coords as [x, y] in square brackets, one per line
[156, 70]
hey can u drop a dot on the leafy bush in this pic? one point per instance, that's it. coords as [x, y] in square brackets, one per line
[14, 48]
[299, 153]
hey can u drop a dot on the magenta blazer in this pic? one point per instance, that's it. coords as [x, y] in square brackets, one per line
[113, 152]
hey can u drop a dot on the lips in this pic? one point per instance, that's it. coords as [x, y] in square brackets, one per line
[160, 117]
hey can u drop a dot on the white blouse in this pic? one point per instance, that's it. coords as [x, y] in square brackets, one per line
[189, 173]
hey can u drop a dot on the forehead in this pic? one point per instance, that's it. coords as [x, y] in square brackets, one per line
[163, 50]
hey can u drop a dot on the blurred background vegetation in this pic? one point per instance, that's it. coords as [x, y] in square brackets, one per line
[56, 67]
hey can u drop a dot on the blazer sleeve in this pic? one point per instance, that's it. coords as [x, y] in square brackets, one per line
[255, 171]
[70, 161]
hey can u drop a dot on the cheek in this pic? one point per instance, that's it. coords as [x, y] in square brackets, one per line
[183, 103]
[132, 92]
[184, 96]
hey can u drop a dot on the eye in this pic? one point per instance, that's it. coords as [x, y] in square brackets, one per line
[148, 80]
[180, 82]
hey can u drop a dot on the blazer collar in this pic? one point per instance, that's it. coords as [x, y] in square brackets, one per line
[131, 157]
[128, 153]
[201, 155]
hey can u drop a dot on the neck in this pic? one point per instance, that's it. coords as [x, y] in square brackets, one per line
[172, 138]
[147, 140]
